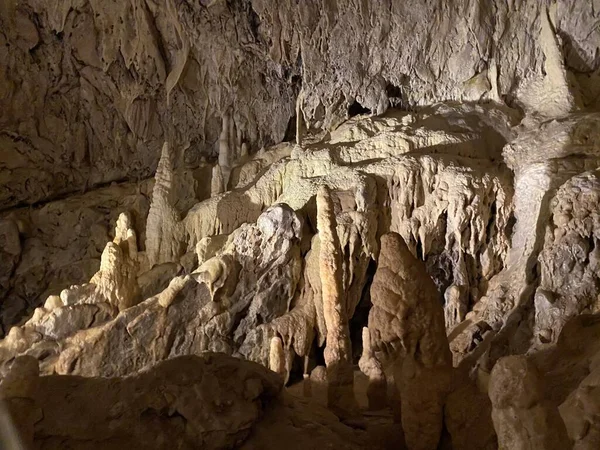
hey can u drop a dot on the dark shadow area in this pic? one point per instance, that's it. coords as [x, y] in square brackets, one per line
[356, 109]
[290, 132]
[360, 318]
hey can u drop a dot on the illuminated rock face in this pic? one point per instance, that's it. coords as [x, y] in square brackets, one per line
[298, 184]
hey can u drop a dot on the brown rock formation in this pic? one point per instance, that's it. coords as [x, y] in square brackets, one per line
[372, 368]
[521, 416]
[211, 401]
[407, 316]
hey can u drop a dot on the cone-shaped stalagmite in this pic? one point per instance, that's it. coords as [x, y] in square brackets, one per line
[407, 311]
[162, 243]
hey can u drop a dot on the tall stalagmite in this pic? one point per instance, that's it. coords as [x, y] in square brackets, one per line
[407, 317]
[338, 350]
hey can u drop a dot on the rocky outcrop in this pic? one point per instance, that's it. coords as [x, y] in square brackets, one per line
[521, 417]
[61, 244]
[569, 259]
[213, 401]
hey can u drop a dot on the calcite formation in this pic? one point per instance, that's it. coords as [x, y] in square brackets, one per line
[520, 416]
[407, 189]
[337, 352]
[407, 323]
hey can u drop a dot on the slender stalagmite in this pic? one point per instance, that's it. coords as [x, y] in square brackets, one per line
[277, 357]
[338, 354]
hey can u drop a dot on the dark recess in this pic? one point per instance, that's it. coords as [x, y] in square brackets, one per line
[356, 108]
[290, 132]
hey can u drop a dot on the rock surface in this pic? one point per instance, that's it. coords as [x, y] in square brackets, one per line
[407, 323]
[297, 184]
[212, 401]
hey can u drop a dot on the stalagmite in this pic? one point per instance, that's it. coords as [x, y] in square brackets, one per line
[338, 353]
[455, 308]
[277, 358]
[299, 119]
[217, 185]
[162, 229]
[407, 317]
[226, 152]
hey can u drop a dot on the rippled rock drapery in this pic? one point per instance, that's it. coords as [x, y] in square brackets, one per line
[105, 104]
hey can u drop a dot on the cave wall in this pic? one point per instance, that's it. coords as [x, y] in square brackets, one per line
[89, 90]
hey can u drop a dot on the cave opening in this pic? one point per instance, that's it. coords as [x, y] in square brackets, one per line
[356, 109]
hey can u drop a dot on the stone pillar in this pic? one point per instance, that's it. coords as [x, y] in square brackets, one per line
[338, 353]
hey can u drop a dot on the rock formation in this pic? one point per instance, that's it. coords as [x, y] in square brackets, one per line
[211, 400]
[372, 368]
[338, 349]
[521, 418]
[408, 324]
[404, 188]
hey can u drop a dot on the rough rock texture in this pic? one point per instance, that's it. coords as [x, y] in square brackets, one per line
[467, 130]
[81, 110]
[570, 258]
[407, 321]
[61, 244]
[521, 417]
[212, 401]
[372, 368]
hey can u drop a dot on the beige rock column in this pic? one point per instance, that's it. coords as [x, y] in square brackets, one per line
[216, 183]
[523, 421]
[162, 227]
[277, 357]
[338, 353]
[116, 281]
[225, 151]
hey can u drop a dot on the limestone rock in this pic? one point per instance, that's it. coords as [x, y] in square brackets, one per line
[338, 348]
[218, 397]
[163, 227]
[62, 242]
[407, 317]
[370, 366]
[570, 258]
[521, 417]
